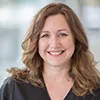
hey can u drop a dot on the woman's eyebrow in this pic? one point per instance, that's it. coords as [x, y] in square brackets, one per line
[59, 30]
[45, 32]
[64, 30]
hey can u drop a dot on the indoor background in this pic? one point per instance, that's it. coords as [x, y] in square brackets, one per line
[16, 16]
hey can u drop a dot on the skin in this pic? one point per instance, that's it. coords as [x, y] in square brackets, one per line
[56, 47]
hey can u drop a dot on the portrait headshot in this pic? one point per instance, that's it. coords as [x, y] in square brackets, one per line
[59, 64]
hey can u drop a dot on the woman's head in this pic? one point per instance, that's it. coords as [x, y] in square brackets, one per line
[31, 56]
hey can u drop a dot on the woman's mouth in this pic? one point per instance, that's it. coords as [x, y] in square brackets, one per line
[55, 53]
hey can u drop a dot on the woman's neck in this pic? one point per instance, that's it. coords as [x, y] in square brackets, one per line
[56, 73]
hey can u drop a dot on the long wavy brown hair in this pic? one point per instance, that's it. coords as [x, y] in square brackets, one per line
[83, 66]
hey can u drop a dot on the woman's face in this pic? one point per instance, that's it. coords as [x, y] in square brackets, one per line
[56, 43]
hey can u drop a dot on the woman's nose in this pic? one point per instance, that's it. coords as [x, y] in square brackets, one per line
[54, 42]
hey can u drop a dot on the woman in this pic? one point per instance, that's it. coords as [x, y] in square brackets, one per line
[59, 65]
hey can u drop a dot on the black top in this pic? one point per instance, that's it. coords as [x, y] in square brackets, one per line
[14, 90]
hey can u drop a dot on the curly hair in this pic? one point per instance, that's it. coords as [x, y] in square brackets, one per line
[83, 65]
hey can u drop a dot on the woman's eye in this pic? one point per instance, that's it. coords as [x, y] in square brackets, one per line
[63, 34]
[44, 36]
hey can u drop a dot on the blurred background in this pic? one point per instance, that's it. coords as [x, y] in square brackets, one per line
[16, 16]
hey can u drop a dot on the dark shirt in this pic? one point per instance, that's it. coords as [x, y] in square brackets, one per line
[15, 90]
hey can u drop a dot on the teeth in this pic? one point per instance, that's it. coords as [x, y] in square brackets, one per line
[56, 53]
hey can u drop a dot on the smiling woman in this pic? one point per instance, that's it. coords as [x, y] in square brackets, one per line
[59, 64]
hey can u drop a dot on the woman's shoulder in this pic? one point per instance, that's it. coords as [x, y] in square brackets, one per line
[13, 83]
[7, 88]
[12, 87]
[8, 82]
[97, 92]
[94, 95]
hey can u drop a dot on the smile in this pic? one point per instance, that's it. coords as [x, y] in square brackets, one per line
[55, 53]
